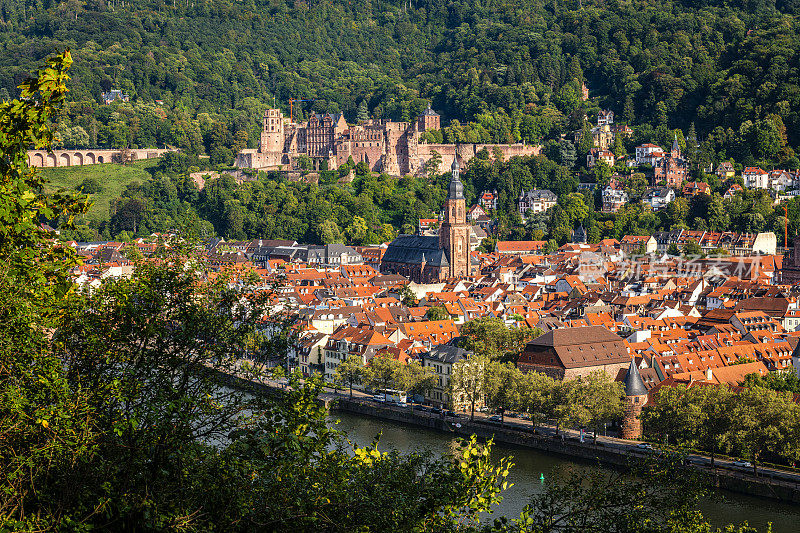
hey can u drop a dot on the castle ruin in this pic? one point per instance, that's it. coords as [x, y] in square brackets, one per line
[384, 145]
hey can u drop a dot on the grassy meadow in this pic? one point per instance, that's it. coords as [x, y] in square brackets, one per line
[113, 179]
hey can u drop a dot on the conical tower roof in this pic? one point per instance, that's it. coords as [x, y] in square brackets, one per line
[634, 386]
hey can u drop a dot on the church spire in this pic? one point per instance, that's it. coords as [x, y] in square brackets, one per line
[455, 190]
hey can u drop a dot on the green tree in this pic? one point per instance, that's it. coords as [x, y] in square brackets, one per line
[636, 186]
[304, 162]
[363, 112]
[503, 381]
[328, 232]
[89, 186]
[349, 372]
[407, 296]
[432, 164]
[357, 230]
[765, 422]
[381, 372]
[777, 381]
[535, 391]
[678, 211]
[567, 154]
[491, 337]
[619, 147]
[468, 381]
[416, 379]
[437, 313]
[692, 249]
[586, 142]
[602, 400]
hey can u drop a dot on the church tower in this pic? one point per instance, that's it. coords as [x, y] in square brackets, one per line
[455, 232]
[635, 398]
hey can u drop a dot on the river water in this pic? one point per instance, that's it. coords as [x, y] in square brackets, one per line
[722, 508]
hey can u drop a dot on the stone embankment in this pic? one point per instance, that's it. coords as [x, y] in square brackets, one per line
[771, 484]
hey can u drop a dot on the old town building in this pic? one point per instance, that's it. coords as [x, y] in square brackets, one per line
[573, 353]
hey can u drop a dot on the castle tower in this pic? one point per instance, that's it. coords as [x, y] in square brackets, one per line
[272, 132]
[454, 233]
[676, 148]
[635, 398]
[428, 120]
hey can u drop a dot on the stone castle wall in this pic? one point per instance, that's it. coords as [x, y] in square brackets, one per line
[467, 151]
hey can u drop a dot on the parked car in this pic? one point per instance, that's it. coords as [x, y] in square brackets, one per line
[436, 410]
[644, 446]
[495, 418]
[379, 398]
[483, 409]
[423, 408]
[511, 414]
[743, 464]
[401, 404]
[525, 416]
[450, 413]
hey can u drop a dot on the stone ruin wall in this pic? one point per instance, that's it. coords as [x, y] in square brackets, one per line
[467, 151]
[70, 158]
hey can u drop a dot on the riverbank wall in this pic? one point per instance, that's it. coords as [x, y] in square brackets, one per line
[762, 486]
[744, 483]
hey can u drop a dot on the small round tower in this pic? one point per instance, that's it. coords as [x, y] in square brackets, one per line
[635, 398]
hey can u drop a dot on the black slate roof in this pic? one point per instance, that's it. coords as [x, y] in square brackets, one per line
[445, 353]
[634, 386]
[411, 248]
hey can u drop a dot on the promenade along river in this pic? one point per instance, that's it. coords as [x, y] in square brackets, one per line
[722, 508]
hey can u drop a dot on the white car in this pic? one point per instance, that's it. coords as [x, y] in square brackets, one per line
[644, 446]
[743, 464]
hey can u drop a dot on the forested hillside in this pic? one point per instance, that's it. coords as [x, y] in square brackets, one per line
[513, 69]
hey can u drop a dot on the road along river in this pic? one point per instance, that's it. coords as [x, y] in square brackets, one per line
[722, 508]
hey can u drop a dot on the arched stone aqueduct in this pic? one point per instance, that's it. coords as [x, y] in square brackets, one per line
[71, 158]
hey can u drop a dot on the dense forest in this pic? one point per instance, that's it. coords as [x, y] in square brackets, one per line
[722, 78]
[505, 71]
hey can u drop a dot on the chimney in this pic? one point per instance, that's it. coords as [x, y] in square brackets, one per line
[709, 374]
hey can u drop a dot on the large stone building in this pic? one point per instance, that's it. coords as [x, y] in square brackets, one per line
[432, 258]
[385, 146]
[573, 353]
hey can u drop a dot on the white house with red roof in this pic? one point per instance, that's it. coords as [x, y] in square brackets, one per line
[732, 191]
[755, 178]
[488, 199]
[648, 153]
[476, 212]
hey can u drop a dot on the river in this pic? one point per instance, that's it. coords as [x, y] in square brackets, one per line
[722, 508]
